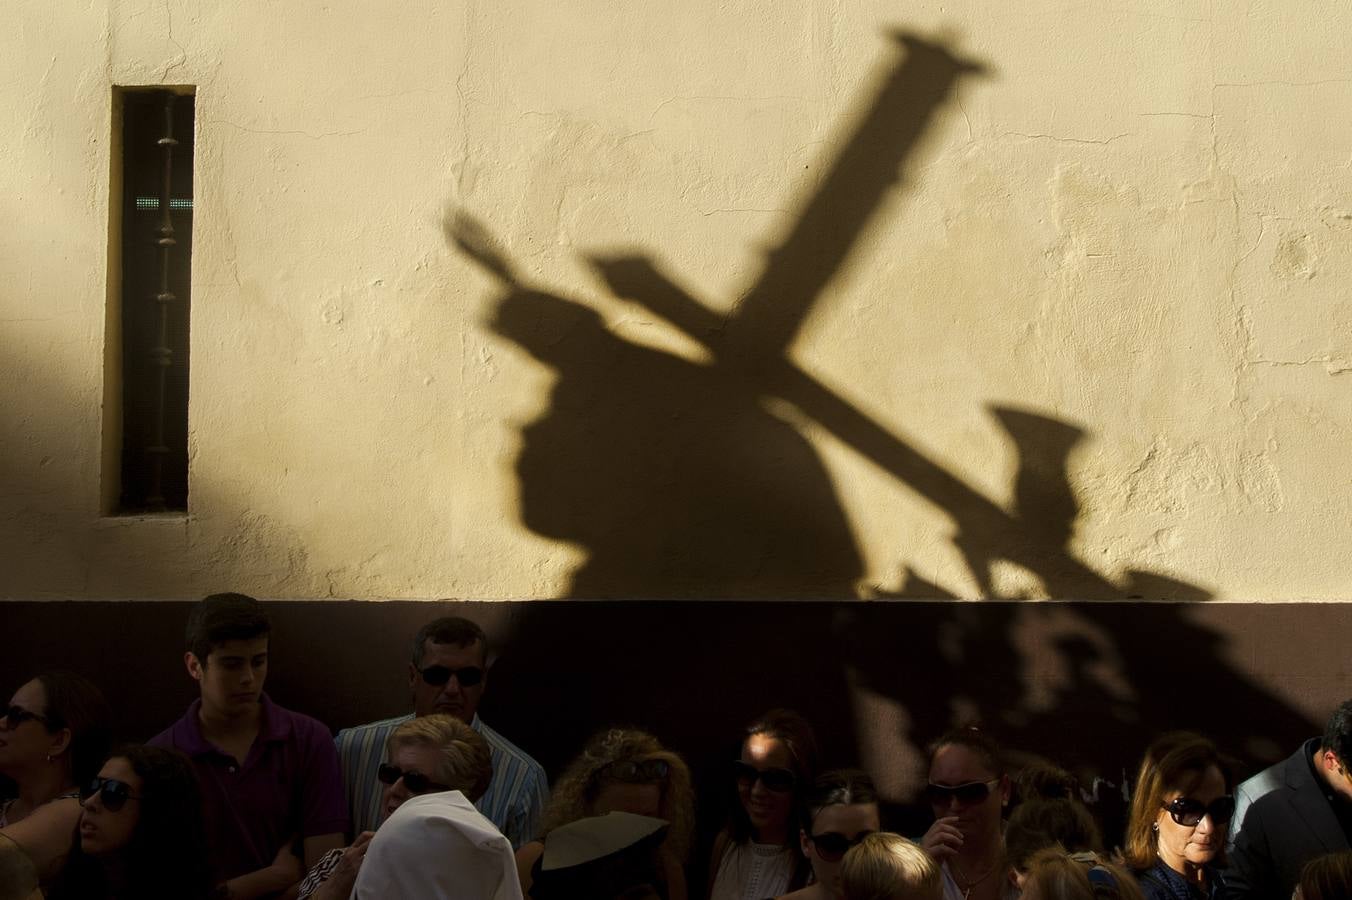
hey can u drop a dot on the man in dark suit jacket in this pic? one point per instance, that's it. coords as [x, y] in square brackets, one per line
[1292, 812]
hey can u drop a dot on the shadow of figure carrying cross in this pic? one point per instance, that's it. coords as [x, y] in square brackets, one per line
[676, 476]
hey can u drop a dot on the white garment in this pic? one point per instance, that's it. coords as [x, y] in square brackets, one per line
[438, 847]
[753, 871]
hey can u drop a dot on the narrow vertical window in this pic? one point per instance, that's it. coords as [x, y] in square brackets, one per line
[156, 239]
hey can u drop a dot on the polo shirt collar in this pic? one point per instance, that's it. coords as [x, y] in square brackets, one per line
[272, 727]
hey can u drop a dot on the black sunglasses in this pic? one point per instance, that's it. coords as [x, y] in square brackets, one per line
[831, 845]
[1189, 812]
[17, 715]
[643, 771]
[416, 782]
[968, 794]
[439, 675]
[113, 794]
[780, 781]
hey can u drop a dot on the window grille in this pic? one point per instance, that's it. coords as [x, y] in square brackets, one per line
[157, 209]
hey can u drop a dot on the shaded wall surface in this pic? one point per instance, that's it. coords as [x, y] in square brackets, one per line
[771, 299]
[1085, 685]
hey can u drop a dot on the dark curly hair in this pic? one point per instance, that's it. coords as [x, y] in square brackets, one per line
[167, 855]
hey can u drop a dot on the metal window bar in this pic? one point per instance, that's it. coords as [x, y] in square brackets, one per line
[157, 246]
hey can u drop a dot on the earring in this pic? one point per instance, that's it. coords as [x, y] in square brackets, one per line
[49, 757]
[1154, 826]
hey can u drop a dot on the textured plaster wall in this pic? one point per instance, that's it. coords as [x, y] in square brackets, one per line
[1137, 222]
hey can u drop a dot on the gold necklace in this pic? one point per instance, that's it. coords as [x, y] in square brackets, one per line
[960, 881]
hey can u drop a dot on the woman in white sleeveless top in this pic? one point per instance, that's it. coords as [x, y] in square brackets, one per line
[756, 855]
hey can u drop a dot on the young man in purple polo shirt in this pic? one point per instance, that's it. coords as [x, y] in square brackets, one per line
[269, 776]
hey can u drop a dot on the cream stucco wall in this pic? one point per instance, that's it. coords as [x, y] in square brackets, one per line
[1137, 222]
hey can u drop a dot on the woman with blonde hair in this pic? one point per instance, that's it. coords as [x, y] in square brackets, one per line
[629, 771]
[1179, 817]
[426, 755]
[885, 866]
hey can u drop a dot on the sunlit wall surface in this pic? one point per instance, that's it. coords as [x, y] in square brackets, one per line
[777, 299]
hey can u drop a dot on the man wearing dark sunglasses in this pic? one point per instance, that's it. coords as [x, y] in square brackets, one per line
[1292, 812]
[269, 776]
[447, 674]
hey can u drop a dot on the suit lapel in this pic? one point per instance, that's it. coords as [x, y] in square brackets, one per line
[1309, 804]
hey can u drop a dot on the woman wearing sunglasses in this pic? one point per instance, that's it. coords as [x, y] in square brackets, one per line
[968, 790]
[427, 755]
[756, 854]
[622, 770]
[1179, 816]
[841, 810]
[53, 738]
[141, 833]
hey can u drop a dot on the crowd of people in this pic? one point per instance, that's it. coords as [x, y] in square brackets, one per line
[242, 798]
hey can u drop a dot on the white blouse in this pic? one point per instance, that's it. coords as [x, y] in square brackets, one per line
[753, 871]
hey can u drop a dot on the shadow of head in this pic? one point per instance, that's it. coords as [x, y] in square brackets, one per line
[552, 329]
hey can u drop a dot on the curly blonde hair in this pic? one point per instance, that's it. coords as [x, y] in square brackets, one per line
[574, 795]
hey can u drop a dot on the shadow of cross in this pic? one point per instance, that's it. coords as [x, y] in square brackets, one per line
[764, 323]
[749, 347]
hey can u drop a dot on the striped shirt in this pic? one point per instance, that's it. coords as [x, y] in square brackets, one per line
[513, 801]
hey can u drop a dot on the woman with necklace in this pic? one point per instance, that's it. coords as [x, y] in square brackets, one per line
[968, 790]
[1179, 817]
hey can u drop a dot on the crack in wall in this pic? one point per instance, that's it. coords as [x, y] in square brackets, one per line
[313, 137]
[1066, 140]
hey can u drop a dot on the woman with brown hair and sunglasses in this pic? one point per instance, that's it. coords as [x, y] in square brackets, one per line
[1179, 816]
[141, 834]
[968, 790]
[629, 771]
[840, 811]
[53, 738]
[756, 854]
